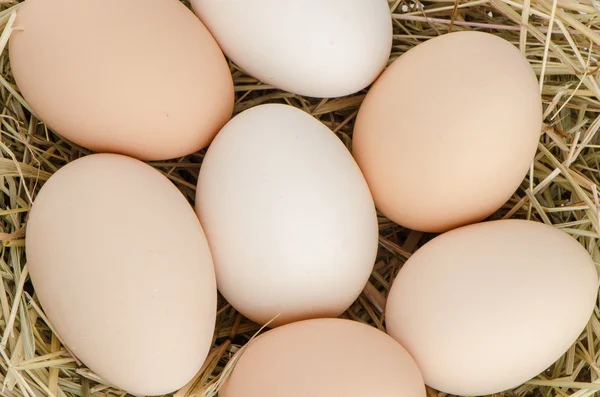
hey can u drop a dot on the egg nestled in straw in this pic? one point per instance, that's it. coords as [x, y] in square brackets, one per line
[324, 357]
[288, 216]
[135, 77]
[448, 132]
[486, 307]
[323, 48]
[122, 268]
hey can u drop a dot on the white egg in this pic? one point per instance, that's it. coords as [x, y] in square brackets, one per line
[317, 48]
[288, 216]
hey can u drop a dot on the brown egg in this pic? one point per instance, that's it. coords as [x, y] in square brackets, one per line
[324, 358]
[122, 268]
[486, 307]
[136, 77]
[447, 133]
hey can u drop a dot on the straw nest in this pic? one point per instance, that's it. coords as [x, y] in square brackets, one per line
[557, 36]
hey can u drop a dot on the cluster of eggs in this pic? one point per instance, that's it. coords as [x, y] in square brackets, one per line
[285, 221]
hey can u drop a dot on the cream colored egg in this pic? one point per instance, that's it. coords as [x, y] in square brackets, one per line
[122, 268]
[486, 307]
[324, 358]
[288, 216]
[448, 132]
[136, 77]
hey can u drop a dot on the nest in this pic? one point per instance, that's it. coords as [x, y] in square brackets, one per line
[558, 37]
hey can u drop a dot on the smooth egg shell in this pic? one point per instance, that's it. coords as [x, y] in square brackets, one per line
[136, 77]
[122, 268]
[323, 48]
[324, 357]
[448, 132]
[288, 216]
[473, 305]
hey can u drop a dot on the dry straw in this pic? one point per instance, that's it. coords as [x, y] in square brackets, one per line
[559, 37]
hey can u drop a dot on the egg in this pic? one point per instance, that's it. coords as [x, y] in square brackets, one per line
[123, 271]
[288, 216]
[448, 132]
[325, 48]
[140, 78]
[324, 357]
[473, 305]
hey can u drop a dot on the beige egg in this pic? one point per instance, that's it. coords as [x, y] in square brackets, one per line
[136, 77]
[447, 133]
[473, 306]
[324, 358]
[122, 268]
[288, 215]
